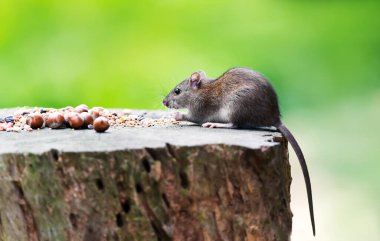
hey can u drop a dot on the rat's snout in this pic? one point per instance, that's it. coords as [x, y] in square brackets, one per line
[165, 102]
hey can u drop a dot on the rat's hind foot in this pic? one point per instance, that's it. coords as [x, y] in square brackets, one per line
[218, 125]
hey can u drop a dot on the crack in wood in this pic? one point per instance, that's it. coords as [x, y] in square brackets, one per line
[32, 230]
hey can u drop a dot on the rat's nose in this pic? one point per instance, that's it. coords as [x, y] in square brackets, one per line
[165, 103]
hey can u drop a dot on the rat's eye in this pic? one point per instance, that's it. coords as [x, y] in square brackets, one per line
[177, 91]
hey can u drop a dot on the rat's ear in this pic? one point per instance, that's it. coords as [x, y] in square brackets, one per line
[196, 78]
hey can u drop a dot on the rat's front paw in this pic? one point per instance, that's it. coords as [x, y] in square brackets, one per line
[178, 116]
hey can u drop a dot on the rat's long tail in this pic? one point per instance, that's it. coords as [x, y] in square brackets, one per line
[289, 136]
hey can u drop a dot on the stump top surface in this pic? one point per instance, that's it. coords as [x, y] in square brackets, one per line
[67, 140]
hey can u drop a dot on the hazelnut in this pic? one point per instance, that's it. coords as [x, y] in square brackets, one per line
[81, 108]
[87, 118]
[67, 109]
[95, 112]
[74, 120]
[54, 120]
[101, 124]
[35, 120]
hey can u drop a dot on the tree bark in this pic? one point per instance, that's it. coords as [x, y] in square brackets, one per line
[211, 192]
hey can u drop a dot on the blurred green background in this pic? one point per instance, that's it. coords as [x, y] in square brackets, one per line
[323, 58]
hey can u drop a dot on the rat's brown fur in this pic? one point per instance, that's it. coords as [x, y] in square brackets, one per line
[240, 97]
[238, 91]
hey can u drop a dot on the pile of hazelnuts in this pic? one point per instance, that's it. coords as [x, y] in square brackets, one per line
[80, 117]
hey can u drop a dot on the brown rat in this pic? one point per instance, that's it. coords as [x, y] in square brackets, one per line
[239, 98]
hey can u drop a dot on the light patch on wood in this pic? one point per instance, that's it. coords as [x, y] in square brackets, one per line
[156, 171]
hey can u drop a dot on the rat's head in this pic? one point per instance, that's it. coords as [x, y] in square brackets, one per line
[184, 92]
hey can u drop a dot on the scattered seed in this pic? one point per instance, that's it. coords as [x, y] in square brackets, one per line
[122, 119]
[9, 119]
[14, 129]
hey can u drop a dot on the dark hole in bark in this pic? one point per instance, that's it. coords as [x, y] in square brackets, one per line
[284, 202]
[156, 230]
[54, 154]
[160, 233]
[139, 188]
[152, 153]
[126, 205]
[146, 164]
[99, 183]
[119, 220]
[19, 188]
[170, 150]
[74, 220]
[165, 198]
[184, 179]
[120, 185]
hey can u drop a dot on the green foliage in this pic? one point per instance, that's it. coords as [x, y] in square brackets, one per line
[130, 53]
[322, 57]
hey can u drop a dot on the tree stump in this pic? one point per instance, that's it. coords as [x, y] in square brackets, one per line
[159, 183]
